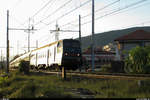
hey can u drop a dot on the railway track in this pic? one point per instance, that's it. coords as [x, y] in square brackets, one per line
[103, 76]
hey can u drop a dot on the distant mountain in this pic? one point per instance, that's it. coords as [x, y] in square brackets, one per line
[105, 38]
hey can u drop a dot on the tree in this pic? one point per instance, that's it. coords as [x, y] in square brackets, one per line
[138, 60]
[24, 67]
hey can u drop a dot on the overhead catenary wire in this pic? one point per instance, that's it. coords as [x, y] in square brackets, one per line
[16, 20]
[111, 13]
[66, 13]
[102, 8]
[116, 10]
[38, 11]
[133, 8]
[49, 7]
[42, 8]
[54, 12]
[91, 13]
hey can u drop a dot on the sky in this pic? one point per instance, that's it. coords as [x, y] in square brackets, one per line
[44, 14]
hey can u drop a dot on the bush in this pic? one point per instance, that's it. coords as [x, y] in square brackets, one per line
[3, 81]
[138, 60]
[24, 67]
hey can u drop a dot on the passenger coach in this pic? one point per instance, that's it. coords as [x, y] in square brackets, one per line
[66, 53]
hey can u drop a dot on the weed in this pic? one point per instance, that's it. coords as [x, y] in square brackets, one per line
[51, 86]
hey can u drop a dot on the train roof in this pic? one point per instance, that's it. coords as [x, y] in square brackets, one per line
[53, 44]
[46, 45]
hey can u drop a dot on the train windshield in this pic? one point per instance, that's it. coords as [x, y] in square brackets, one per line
[72, 44]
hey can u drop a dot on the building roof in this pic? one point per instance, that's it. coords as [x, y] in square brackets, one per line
[136, 35]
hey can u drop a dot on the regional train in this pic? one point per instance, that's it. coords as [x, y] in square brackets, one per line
[63, 53]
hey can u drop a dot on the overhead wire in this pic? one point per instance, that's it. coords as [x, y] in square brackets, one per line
[54, 12]
[133, 8]
[70, 11]
[37, 12]
[42, 8]
[67, 13]
[91, 13]
[117, 10]
[50, 6]
[16, 20]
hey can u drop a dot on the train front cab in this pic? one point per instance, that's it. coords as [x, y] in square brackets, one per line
[71, 59]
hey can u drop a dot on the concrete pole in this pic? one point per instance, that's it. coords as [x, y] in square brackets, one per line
[80, 30]
[80, 38]
[93, 56]
[7, 55]
[29, 36]
[36, 43]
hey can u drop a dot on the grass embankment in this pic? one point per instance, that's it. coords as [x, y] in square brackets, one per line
[38, 85]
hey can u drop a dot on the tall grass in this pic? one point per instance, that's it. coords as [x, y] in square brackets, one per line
[38, 85]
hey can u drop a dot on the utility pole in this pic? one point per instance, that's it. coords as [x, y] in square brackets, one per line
[29, 36]
[92, 44]
[80, 31]
[80, 37]
[28, 30]
[58, 30]
[36, 43]
[7, 54]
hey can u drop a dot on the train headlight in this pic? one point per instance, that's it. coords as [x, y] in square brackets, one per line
[66, 54]
[78, 54]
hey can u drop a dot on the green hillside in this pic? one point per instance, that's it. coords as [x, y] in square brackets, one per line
[102, 39]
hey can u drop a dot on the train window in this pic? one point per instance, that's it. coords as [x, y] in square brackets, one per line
[72, 44]
[75, 44]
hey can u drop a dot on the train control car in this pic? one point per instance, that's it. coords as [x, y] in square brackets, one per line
[66, 53]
